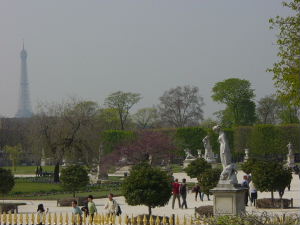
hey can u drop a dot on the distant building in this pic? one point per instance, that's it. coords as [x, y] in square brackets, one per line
[24, 108]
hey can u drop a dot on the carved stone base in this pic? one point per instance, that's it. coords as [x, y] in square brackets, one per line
[229, 199]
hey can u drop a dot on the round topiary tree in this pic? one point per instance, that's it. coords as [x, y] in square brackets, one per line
[7, 181]
[271, 176]
[74, 178]
[209, 179]
[198, 166]
[147, 186]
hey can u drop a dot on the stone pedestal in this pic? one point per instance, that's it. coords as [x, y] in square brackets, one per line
[187, 162]
[228, 200]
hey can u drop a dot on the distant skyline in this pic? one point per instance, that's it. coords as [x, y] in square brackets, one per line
[89, 49]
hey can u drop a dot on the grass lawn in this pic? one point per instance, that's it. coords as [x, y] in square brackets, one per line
[29, 169]
[27, 188]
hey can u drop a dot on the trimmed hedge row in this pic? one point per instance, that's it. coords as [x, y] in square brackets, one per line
[262, 140]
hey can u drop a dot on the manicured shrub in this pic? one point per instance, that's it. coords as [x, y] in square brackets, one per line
[196, 167]
[270, 176]
[74, 178]
[7, 181]
[147, 186]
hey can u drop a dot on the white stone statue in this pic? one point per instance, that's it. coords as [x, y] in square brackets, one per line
[246, 155]
[188, 154]
[199, 153]
[290, 155]
[228, 174]
[208, 154]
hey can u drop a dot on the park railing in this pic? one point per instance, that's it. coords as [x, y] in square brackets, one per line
[103, 219]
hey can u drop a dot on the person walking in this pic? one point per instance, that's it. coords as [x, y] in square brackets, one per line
[183, 193]
[245, 184]
[197, 190]
[76, 212]
[253, 193]
[175, 193]
[202, 196]
[41, 213]
[91, 207]
[111, 205]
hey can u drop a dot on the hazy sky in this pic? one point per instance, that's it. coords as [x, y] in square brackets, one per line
[90, 49]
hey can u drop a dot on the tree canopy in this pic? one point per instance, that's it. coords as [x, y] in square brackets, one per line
[238, 97]
[286, 71]
[147, 186]
[181, 106]
[122, 102]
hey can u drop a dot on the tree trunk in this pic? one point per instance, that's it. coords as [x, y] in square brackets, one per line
[149, 210]
[56, 173]
[272, 196]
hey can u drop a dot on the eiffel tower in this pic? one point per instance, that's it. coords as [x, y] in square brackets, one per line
[24, 108]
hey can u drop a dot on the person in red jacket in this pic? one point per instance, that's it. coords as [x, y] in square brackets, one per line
[175, 192]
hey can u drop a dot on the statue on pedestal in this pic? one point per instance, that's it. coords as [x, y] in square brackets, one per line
[228, 174]
[208, 154]
[199, 154]
[246, 155]
[290, 155]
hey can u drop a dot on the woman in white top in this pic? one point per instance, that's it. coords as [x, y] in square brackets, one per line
[111, 205]
[253, 193]
[41, 213]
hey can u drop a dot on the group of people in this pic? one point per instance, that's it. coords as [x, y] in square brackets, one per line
[251, 191]
[180, 190]
[90, 209]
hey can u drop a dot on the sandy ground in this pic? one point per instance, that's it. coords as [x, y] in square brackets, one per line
[167, 210]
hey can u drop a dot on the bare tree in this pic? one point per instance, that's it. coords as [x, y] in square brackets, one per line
[267, 109]
[181, 106]
[65, 128]
[146, 117]
[122, 102]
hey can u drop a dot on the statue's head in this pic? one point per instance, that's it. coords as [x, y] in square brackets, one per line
[216, 128]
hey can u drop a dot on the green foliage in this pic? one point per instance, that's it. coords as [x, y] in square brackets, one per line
[209, 179]
[147, 186]
[290, 133]
[253, 219]
[237, 95]
[191, 138]
[265, 140]
[74, 178]
[122, 102]
[242, 138]
[196, 167]
[7, 181]
[112, 138]
[270, 176]
[248, 166]
[287, 69]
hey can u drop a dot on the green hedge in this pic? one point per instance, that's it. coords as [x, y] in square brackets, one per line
[112, 138]
[191, 138]
[262, 140]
